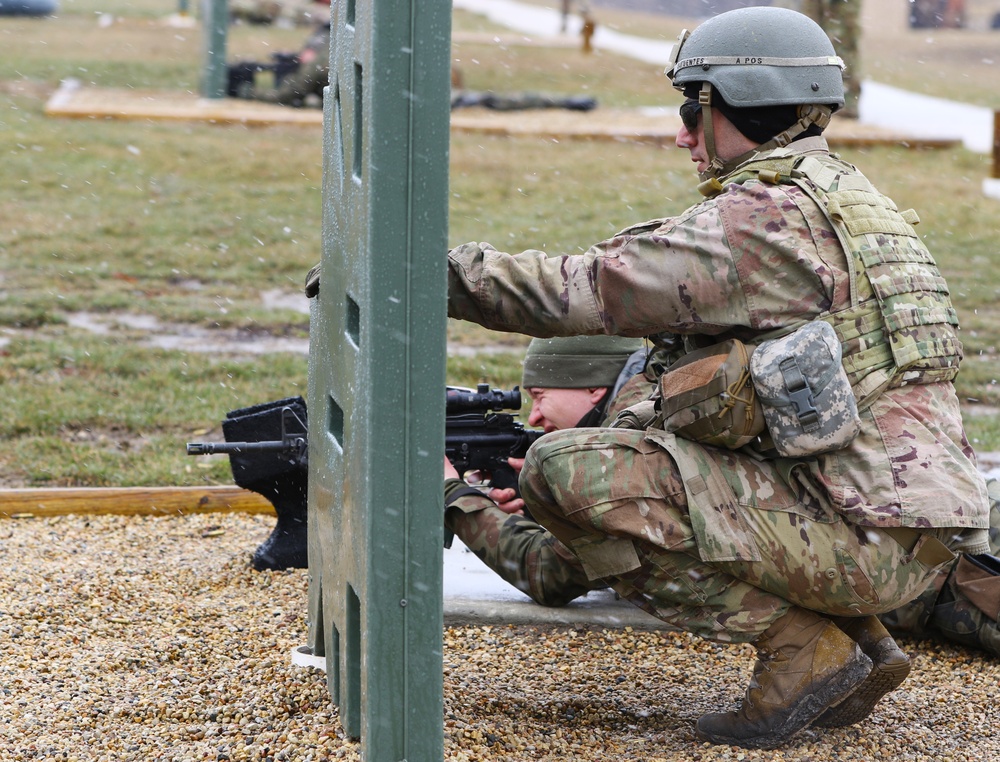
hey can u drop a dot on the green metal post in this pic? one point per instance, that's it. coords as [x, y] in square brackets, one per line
[376, 376]
[215, 22]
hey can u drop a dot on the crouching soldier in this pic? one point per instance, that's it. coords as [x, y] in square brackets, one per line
[818, 308]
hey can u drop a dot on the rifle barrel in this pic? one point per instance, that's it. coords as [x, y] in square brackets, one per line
[209, 448]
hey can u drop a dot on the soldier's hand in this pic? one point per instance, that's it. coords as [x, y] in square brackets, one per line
[507, 500]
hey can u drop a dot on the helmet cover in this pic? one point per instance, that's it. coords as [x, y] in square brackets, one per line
[761, 56]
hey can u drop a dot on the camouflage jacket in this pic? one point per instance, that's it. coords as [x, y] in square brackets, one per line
[753, 260]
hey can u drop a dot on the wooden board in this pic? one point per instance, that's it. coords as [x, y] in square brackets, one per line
[129, 501]
[633, 125]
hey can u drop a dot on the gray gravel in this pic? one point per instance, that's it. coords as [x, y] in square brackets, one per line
[151, 639]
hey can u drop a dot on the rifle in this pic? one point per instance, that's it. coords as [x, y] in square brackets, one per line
[274, 460]
[294, 434]
[242, 75]
[479, 437]
[275, 464]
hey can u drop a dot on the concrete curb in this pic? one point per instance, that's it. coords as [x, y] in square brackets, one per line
[600, 608]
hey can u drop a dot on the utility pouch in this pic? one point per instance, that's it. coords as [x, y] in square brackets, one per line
[978, 579]
[639, 417]
[707, 396]
[804, 392]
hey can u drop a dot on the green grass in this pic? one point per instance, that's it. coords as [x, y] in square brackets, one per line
[189, 223]
[101, 411]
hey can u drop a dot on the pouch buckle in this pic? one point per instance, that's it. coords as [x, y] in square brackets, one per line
[800, 394]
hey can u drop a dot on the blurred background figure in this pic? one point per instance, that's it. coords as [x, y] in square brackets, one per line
[286, 13]
[288, 79]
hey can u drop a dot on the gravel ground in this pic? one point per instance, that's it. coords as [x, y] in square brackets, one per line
[152, 639]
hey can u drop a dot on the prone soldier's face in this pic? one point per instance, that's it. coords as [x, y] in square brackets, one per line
[555, 409]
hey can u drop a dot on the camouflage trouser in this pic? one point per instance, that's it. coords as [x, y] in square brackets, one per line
[616, 498]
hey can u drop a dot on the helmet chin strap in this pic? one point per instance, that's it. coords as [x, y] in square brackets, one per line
[717, 167]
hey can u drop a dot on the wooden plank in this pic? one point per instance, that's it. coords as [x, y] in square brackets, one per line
[129, 501]
[76, 101]
[658, 127]
[650, 126]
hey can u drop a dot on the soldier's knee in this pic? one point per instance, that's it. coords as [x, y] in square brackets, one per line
[580, 467]
[534, 481]
[569, 442]
[549, 445]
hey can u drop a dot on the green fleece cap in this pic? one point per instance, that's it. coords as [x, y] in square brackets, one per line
[576, 362]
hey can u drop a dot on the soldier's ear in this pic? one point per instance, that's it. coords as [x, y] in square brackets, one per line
[597, 393]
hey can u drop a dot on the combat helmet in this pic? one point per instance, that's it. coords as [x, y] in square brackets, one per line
[759, 57]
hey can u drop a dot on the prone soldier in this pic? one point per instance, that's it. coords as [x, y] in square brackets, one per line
[297, 78]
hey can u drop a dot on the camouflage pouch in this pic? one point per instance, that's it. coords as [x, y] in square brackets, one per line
[639, 417]
[805, 394]
[968, 609]
[977, 578]
[707, 397]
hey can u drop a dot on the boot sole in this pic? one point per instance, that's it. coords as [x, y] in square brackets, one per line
[883, 679]
[838, 688]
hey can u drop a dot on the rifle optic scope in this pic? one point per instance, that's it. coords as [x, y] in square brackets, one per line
[483, 399]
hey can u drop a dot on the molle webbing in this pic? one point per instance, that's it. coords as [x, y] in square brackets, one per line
[901, 326]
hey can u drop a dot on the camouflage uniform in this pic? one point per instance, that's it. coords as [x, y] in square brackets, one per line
[519, 550]
[310, 78]
[723, 542]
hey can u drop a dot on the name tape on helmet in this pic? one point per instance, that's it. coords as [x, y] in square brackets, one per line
[707, 61]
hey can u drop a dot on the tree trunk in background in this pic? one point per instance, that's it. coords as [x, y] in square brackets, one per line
[840, 21]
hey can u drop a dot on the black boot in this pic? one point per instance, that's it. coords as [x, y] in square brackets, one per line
[281, 477]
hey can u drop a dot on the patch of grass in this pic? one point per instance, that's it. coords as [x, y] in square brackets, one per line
[954, 64]
[102, 411]
[615, 82]
[180, 221]
[983, 431]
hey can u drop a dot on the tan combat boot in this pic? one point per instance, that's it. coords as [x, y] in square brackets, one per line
[805, 665]
[891, 666]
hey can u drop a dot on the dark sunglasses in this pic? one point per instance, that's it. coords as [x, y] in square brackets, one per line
[690, 109]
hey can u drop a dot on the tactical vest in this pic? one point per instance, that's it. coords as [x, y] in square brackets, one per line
[901, 327]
